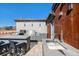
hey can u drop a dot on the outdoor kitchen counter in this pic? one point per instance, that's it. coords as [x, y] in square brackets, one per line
[14, 37]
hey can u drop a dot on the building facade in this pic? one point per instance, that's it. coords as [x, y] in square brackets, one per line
[7, 32]
[65, 18]
[38, 26]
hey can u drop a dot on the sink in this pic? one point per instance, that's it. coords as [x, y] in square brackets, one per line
[54, 46]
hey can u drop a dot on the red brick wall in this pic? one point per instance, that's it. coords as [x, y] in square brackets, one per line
[57, 23]
[75, 25]
[48, 30]
[69, 24]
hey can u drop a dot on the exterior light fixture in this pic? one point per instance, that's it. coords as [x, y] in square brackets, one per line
[61, 13]
[53, 13]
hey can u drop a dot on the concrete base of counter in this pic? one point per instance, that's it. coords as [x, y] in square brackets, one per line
[36, 50]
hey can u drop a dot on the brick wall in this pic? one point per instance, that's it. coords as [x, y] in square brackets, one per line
[68, 23]
[48, 29]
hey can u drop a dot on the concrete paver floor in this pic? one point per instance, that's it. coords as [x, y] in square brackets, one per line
[52, 49]
[56, 48]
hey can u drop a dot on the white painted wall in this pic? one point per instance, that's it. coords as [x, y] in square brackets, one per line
[28, 26]
[52, 32]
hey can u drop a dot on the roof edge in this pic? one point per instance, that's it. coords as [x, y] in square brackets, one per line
[21, 20]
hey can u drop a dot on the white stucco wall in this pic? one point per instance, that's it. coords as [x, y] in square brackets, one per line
[52, 32]
[28, 26]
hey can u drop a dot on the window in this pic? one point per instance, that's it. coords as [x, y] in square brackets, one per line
[32, 24]
[22, 32]
[24, 25]
[39, 24]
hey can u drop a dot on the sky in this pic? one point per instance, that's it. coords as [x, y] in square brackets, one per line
[11, 11]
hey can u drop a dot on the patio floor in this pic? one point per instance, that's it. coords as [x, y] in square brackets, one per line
[52, 49]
